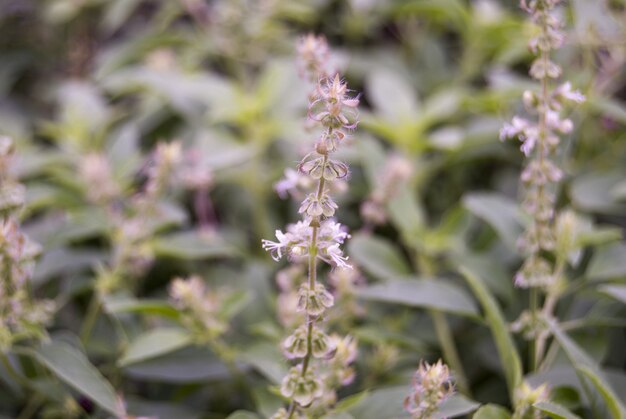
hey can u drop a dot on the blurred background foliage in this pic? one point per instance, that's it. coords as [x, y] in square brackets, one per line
[83, 80]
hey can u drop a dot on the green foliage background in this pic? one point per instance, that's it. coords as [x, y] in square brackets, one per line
[438, 79]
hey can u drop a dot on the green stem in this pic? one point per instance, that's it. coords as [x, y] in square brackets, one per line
[450, 353]
[90, 319]
[538, 222]
[19, 378]
[547, 311]
[31, 407]
[534, 343]
[312, 282]
[443, 331]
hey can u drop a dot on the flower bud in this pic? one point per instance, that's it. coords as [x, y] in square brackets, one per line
[314, 301]
[295, 345]
[535, 272]
[526, 396]
[431, 387]
[302, 388]
[321, 345]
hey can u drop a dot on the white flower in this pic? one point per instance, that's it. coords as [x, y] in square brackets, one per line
[565, 91]
[291, 183]
[554, 121]
[529, 138]
[336, 256]
[276, 249]
[515, 128]
[332, 231]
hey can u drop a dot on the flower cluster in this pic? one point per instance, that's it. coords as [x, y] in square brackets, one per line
[21, 317]
[101, 186]
[313, 53]
[540, 138]
[526, 397]
[315, 238]
[128, 215]
[295, 241]
[199, 307]
[432, 385]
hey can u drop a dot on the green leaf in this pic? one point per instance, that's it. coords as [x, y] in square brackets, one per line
[599, 236]
[608, 106]
[499, 212]
[125, 304]
[586, 366]
[192, 245]
[489, 269]
[243, 414]
[267, 360]
[592, 193]
[555, 410]
[438, 294]
[388, 403]
[507, 351]
[392, 96]
[608, 262]
[456, 405]
[616, 291]
[377, 256]
[352, 400]
[492, 411]
[564, 378]
[155, 343]
[187, 365]
[384, 403]
[72, 366]
[406, 214]
[158, 409]
[62, 261]
[610, 398]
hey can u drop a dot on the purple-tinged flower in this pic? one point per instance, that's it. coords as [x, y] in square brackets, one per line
[332, 106]
[277, 249]
[565, 91]
[335, 254]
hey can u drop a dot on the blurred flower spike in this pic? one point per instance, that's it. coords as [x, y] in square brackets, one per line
[432, 385]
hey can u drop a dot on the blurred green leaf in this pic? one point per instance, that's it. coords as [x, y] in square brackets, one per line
[377, 256]
[243, 414]
[437, 294]
[555, 410]
[159, 409]
[616, 291]
[115, 304]
[456, 405]
[187, 365]
[407, 214]
[192, 245]
[392, 96]
[509, 357]
[608, 262]
[72, 366]
[599, 236]
[384, 403]
[63, 260]
[499, 212]
[153, 344]
[588, 367]
[592, 193]
[492, 411]
[489, 270]
[267, 360]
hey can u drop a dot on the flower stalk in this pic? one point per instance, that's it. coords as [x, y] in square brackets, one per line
[540, 139]
[317, 236]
